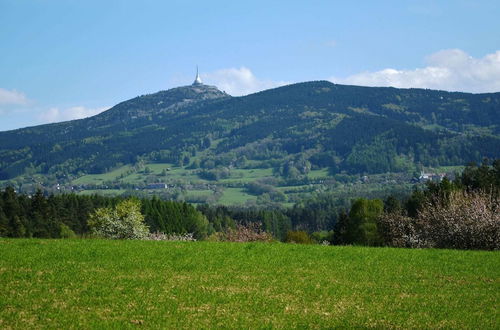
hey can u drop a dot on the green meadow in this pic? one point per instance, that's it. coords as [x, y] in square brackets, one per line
[187, 182]
[154, 284]
[235, 196]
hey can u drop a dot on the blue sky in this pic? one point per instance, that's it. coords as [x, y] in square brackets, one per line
[65, 59]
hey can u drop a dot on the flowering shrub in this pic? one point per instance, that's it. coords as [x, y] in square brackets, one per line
[399, 230]
[464, 221]
[124, 221]
[461, 220]
[158, 236]
[250, 232]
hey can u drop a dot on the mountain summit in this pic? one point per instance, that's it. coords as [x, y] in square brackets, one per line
[166, 102]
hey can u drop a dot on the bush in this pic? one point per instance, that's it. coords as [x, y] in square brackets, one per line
[398, 230]
[215, 174]
[298, 237]
[258, 188]
[250, 232]
[66, 232]
[124, 221]
[463, 221]
[159, 236]
[460, 220]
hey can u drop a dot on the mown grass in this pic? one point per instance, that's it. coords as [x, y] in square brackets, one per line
[121, 284]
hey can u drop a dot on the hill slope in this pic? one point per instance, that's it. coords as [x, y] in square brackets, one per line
[291, 128]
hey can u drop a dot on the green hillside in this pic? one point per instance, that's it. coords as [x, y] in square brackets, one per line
[207, 136]
[122, 284]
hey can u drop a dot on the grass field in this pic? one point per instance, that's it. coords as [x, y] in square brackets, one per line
[100, 178]
[318, 174]
[102, 192]
[234, 196]
[122, 284]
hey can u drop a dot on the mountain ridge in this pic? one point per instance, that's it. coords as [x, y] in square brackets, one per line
[339, 122]
[225, 95]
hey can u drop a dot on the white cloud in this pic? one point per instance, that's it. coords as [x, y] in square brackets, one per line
[54, 115]
[238, 82]
[451, 69]
[12, 97]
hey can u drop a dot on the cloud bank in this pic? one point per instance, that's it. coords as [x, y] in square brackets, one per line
[54, 115]
[451, 70]
[12, 97]
[239, 81]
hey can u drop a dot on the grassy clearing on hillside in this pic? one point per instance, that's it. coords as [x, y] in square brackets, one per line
[116, 284]
[318, 174]
[248, 175]
[103, 192]
[100, 178]
[235, 196]
[156, 168]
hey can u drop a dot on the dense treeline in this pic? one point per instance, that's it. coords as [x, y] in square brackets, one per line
[175, 217]
[58, 216]
[41, 216]
[68, 214]
[463, 213]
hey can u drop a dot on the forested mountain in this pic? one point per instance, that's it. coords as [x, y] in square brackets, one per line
[291, 129]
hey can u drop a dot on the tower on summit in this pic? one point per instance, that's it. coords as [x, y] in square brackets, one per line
[197, 81]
